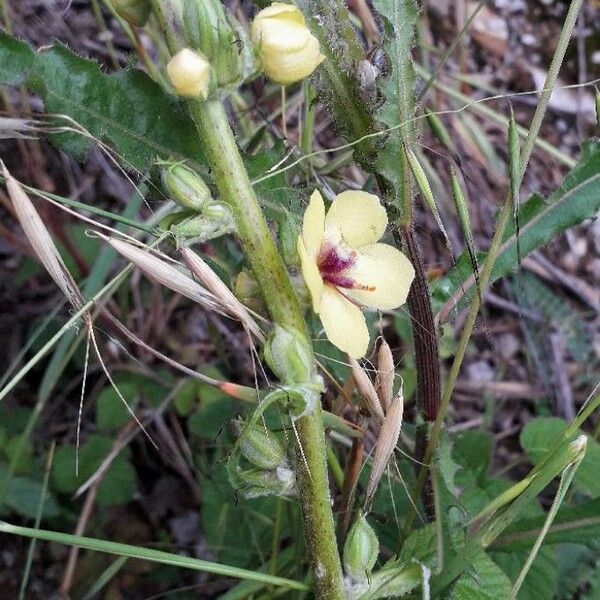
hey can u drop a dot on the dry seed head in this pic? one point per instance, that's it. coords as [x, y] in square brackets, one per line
[386, 444]
[366, 389]
[386, 370]
[40, 240]
[162, 272]
[214, 284]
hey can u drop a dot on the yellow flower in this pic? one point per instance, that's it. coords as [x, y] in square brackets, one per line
[345, 269]
[189, 74]
[287, 49]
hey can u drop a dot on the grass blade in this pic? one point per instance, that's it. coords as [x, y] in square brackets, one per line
[158, 556]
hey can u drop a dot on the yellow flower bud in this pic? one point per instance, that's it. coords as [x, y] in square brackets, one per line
[189, 74]
[287, 49]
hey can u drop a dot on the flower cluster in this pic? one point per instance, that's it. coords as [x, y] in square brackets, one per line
[345, 268]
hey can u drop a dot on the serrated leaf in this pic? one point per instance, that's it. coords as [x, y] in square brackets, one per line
[542, 578]
[484, 581]
[127, 110]
[400, 20]
[577, 199]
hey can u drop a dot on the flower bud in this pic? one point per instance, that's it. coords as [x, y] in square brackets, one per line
[212, 30]
[189, 74]
[287, 49]
[289, 356]
[185, 186]
[256, 482]
[260, 447]
[135, 12]
[200, 227]
[361, 549]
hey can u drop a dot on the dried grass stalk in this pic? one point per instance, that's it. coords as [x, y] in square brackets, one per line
[41, 241]
[386, 371]
[162, 272]
[386, 444]
[366, 389]
[225, 296]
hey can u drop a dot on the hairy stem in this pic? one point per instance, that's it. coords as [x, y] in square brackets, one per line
[236, 190]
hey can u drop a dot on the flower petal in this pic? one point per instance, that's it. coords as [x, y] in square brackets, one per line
[344, 323]
[311, 275]
[386, 270]
[359, 216]
[313, 225]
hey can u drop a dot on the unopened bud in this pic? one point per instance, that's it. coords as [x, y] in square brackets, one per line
[287, 49]
[185, 186]
[256, 482]
[578, 447]
[211, 29]
[361, 549]
[289, 356]
[260, 447]
[189, 74]
[135, 12]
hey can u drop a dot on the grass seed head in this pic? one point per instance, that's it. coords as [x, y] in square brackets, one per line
[41, 241]
[366, 389]
[386, 371]
[386, 444]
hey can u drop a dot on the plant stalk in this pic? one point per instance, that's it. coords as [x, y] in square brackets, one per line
[235, 189]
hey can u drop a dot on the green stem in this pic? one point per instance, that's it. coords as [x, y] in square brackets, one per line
[236, 190]
[484, 277]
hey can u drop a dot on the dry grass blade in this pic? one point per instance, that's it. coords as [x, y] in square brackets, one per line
[386, 444]
[162, 272]
[366, 389]
[214, 284]
[386, 370]
[40, 240]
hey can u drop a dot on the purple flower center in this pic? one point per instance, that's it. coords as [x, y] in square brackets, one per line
[332, 264]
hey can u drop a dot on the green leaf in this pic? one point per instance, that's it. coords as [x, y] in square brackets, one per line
[542, 578]
[23, 497]
[573, 524]
[215, 410]
[118, 484]
[398, 88]
[577, 199]
[126, 109]
[111, 413]
[484, 581]
[237, 530]
[473, 450]
[537, 438]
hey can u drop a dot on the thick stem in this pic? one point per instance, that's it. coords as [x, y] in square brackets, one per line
[234, 186]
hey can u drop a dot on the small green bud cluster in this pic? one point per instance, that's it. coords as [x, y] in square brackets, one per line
[265, 470]
[202, 218]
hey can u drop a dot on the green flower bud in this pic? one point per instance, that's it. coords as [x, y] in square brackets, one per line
[185, 186]
[135, 12]
[361, 549]
[260, 447]
[201, 228]
[256, 482]
[289, 230]
[289, 356]
[211, 29]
